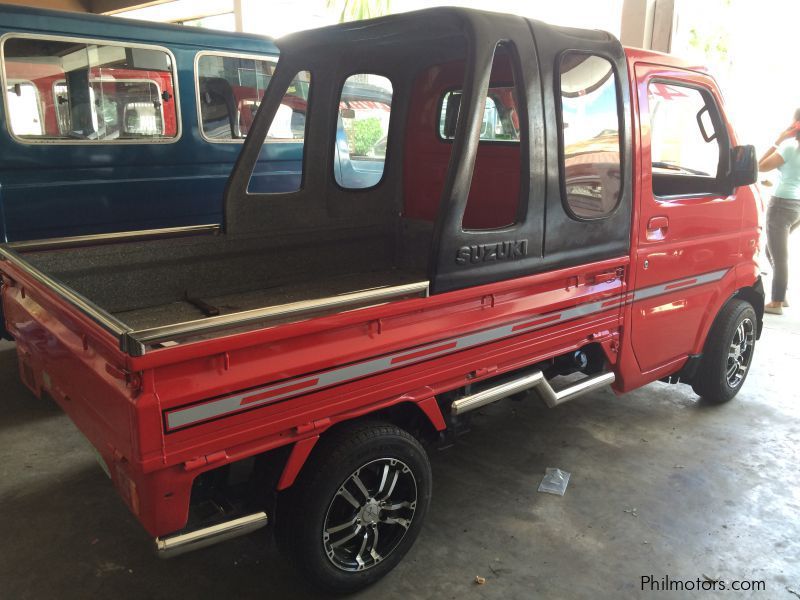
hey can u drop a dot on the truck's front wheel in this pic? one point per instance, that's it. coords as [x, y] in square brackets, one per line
[357, 507]
[728, 353]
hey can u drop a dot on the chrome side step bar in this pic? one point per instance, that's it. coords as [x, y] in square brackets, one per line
[175, 545]
[537, 382]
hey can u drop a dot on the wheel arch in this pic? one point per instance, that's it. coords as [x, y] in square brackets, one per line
[754, 295]
[422, 419]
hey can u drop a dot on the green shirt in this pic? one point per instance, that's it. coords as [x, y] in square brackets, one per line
[789, 187]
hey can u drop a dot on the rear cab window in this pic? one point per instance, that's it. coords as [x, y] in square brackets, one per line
[494, 198]
[229, 91]
[288, 126]
[365, 107]
[70, 90]
[590, 135]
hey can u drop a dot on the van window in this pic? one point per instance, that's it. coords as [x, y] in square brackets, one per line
[500, 116]
[684, 146]
[590, 132]
[365, 107]
[24, 108]
[288, 126]
[229, 90]
[87, 92]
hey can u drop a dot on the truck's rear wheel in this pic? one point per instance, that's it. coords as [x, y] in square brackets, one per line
[358, 506]
[728, 353]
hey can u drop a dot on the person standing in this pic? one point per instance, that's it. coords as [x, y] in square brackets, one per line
[783, 213]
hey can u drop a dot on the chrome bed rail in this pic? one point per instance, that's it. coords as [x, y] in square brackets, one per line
[113, 238]
[137, 342]
[85, 306]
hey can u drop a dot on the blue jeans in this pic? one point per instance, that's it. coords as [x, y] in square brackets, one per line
[783, 217]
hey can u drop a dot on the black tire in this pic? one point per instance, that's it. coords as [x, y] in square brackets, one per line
[372, 452]
[723, 369]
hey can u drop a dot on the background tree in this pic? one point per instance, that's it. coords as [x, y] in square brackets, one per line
[356, 10]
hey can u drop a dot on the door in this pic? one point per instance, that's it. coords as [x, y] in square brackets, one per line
[689, 218]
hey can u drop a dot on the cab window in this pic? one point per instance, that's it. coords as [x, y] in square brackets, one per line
[500, 117]
[685, 144]
[590, 135]
[365, 107]
[229, 90]
[89, 92]
[288, 128]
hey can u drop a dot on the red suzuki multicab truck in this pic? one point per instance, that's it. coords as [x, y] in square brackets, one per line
[553, 214]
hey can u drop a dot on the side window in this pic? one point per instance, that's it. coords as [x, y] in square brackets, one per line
[684, 145]
[229, 92]
[591, 125]
[24, 108]
[288, 127]
[365, 107]
[500, 116]
[84, 91]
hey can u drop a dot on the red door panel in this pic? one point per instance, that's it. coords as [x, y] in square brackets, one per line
[686, 246]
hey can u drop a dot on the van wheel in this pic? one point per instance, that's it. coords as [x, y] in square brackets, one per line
[357, 507]
[727, 354]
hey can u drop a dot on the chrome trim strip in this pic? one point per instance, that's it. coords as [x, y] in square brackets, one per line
[105, 42]
[262, 396]
[111, 238]
[175, 545]
[193, 414]
[374, 296]
[88, 308]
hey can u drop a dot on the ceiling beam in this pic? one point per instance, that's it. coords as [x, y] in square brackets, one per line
[71, 5]
[648, 24]
[109, 7]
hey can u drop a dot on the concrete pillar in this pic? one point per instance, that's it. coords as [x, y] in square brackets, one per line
[648, 24]
[237, 15]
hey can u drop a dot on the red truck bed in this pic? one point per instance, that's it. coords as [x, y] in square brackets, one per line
[256, 368]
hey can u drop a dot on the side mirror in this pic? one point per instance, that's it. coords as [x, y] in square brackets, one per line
[744, 166]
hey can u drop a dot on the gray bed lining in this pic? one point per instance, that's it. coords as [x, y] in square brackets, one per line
[147, 283]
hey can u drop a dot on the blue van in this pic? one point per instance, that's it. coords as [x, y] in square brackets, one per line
[111, 125]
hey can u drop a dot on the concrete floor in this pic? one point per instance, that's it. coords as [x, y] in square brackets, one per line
[661, 484]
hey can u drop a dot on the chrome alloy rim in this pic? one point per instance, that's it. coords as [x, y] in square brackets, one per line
[740, 353]
[370, 514]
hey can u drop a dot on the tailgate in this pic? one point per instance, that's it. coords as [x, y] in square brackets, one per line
[66, 353]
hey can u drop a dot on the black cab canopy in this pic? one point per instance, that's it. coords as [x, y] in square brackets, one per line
[564, 179]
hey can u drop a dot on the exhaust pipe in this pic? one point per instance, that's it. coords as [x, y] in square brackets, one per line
[579, 388]
[537, 382]
[175, 545]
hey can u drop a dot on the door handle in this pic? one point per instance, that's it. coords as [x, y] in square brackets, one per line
[605, 276]
[657, 228]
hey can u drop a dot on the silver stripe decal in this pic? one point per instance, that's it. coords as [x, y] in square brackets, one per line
[675, 286]
[204, 411]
